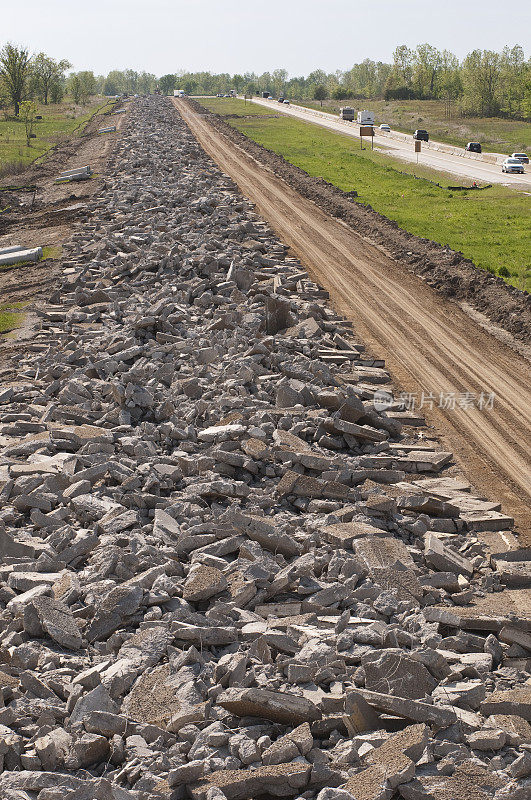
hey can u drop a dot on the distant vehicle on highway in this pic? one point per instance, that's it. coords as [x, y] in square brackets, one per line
[266, 95]
[421, 135]
[385, 127]
[347, 113]
[286, 102]
[523, 157]
[473, 147]
[513, 165]
[280, 99]
[365, 117]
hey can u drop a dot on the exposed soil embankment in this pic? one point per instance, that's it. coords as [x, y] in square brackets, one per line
[441, 267]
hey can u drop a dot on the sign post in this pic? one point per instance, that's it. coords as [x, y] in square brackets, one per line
[418, 146]
[366, 130]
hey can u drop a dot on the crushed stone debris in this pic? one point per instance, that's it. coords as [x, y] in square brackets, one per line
[225, 574]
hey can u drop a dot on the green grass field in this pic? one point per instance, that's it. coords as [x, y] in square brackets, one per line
[495, 134]
[57, 122]
[231, 105]
[10, 318]
[491, 227]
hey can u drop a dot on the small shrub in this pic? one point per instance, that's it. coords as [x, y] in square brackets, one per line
[504, 272]
[11, 168]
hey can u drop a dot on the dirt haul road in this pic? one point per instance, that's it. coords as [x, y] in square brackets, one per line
[429, 343]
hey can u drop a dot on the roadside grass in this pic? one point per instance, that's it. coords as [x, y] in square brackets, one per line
[58, 121]
[494, 133]
[490, 227]
[10, 319]
[228, 105]
[52, 251]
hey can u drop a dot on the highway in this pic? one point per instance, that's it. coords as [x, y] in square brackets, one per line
[400, 145]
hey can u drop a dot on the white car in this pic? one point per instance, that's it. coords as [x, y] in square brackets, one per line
[513, 165]
[385, 127]
[523, 157]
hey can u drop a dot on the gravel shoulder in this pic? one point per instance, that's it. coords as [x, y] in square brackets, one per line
[429, 343]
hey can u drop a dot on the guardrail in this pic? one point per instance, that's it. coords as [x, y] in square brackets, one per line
[489, 158]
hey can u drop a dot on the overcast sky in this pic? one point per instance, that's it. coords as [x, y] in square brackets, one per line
[164, 36]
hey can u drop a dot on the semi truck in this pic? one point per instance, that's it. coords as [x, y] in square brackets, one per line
[365, 117]
[347, 113]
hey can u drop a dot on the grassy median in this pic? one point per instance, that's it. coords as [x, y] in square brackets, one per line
[490, 227]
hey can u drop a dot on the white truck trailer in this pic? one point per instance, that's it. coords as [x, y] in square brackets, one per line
[365, 117]
[179, 92]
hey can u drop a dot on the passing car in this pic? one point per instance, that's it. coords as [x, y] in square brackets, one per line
[523, 157]
[385, 127]
[473, 147]
[286, 102]
[421, 135]
[513, 165]
[280, 99]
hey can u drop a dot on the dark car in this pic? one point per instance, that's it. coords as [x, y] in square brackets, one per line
[473, 147]
[423, 136]
[280, 99]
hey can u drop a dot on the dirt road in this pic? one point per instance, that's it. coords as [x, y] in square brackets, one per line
[429, 343]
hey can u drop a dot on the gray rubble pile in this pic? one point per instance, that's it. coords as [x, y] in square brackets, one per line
[225, 574]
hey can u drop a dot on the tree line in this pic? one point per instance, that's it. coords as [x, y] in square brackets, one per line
[485, 83]
[24, 77]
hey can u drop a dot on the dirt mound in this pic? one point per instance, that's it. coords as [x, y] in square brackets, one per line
[441, 267]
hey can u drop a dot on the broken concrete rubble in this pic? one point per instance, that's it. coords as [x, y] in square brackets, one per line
[216, 581]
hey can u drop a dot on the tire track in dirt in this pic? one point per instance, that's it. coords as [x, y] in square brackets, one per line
[428, 342]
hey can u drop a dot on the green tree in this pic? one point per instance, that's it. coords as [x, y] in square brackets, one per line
[481, 81]
[88, 85]
[14, 71]
[114, 83]
[57, 91]
[427, 63]
[28, 110]
[320, 93]
[167, 83]
[74, 87]
[279, 79]
[82, 86]
[513, 74]
[46, 72]
[146, 83]
[403, 61]
[131, 81]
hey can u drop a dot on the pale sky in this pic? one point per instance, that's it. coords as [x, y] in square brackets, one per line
[162, 36]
